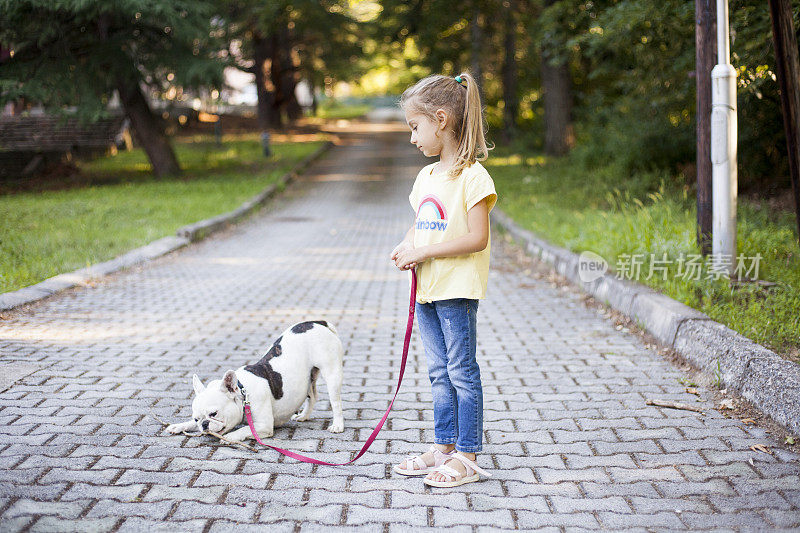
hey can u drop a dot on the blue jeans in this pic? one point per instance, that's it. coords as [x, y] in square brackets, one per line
[447, 328]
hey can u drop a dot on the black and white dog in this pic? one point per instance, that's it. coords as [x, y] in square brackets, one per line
[276, 386]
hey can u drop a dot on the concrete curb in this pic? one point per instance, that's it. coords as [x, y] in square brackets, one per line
[761, 376]
[184, 236]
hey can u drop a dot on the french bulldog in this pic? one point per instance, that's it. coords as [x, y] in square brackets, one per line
[276, 386]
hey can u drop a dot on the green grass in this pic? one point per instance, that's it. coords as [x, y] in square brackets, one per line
[601, 210]
[47, 233]
[332, 109]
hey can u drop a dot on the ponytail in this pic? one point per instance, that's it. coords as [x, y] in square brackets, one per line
[462, 101]
[472, 137]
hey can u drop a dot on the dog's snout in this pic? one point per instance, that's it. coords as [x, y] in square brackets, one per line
[205, 425]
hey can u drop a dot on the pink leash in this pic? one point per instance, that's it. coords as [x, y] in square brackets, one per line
[377, 429]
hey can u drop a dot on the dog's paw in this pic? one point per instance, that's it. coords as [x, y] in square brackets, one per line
[337, 426]
[175, 428]
[298, 417]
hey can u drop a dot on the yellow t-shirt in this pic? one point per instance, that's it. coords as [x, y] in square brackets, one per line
[441, 204]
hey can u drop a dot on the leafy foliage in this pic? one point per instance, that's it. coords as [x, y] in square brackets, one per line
[632, 65]
[76, 52]
[326, 36]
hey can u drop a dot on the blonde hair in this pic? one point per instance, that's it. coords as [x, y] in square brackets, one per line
[463, 105]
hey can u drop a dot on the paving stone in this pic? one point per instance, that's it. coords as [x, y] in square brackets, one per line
[172, 479]
[533, 520]
[55, 523]
[679, 489]
[153, 510]
[27, 507]
[481, 502]
[680, 445]
[628, 475]
[443, 517]
[225, 526]
[402, 528]
[765, 500]
[742, 521]
[82, 491]
[42, 492]
[549, 475]
[243, 512]
[549, 461]
[138, 524]
[565, 488]
[319, 497]
[638, 488]
[653, 505]
[240, 495]
[327, 514]
[565, 505]
[745, 485]
[582, 461]
[618, 521]
[704, 473]
[683, 458]
[198, 494]
[358, 515]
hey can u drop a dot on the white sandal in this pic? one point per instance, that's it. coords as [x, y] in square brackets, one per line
[456, 477]
[439, 458]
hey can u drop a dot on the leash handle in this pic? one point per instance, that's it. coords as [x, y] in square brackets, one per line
[368, 443]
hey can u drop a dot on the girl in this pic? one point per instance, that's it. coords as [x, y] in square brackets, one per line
[449, 246]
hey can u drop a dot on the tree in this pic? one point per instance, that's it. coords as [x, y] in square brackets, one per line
[788, 67]
[69, 53]
[556, 85]
[509, 71]
[705, 59]
[280, 41]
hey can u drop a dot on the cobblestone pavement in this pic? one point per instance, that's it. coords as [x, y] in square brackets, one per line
[568, 437]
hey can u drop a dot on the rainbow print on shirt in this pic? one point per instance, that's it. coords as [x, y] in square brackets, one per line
[431, 214]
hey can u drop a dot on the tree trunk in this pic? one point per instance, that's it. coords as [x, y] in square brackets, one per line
[557, 107]
[705, 54]
[314, 103]
[148, 130]
[293, 109]
[510, 98]
[477, 49]
[262, 52]
[556, 88]
[276, 75]
[788, 63]
[289, 77]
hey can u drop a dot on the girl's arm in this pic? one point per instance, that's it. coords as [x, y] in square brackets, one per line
[407, 242]
[475, 240]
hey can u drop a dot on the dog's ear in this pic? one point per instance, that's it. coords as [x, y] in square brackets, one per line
[229, 382]
[198, 385]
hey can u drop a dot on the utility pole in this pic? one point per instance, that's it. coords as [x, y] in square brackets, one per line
[723, 150]
[705, 50]
[786, 59]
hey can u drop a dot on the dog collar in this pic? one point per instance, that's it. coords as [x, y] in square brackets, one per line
[243, 391]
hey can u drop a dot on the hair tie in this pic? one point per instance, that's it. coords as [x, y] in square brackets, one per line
[459, 79]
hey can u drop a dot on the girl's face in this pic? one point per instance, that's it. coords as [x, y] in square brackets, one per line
[425, 133]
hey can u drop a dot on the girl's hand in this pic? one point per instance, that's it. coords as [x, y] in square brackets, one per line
[409, 258]
[405, 245]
